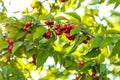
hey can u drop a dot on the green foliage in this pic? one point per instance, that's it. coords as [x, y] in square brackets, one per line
[3, 44]
[79, 44]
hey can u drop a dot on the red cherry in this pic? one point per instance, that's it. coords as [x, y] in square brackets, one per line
[71, 26]
[81, 63]
[9, 41]
[88, 37]
[69, 36]
[67, 30]
[48, 22]
[56, 27]
[34, 56]
[10, 47]
[64, 27]
[57, 32]
[34, 61]
[72, 38]
[63, 0]
[24, 28]
[47, 34]
[93, 76]
[85, 41]
[28, 24]
[51, 22]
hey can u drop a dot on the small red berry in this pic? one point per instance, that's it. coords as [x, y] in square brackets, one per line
[47, 34]
[28, 24]
[71, 26]
[57, 32]
[93, 76]
[69, 36]
[24, 28]
[48, 22]
[34, 56]
[63, 0]
[88, 37]
[64, 27]
[67, 30]
[34, 61]
[9, 41]
[81, 63]
[56, 27]
[10, 47]
[85, 41]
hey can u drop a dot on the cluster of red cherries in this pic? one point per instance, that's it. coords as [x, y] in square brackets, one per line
[66, 28]
[10, 47]
[58, 30]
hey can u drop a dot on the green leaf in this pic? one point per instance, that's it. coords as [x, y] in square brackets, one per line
[102, 68]
[75, 15]
[47, 17]
[1, 76]
[79, 4]
[113, 31]
[3, 44]
[101, 1]
[75, 30]
[16, 46]
[97, 41]
[108, 40]
[39, 32]
[72, 50]
[117, 4]
[116, 49]
[42, 57]
[86, 66]
[55, 58]
[102, 58]
[2, 17]
[61, 18]
[68, 62]
[82, 38]
[60, 59]
[20, 35]
[93, 53]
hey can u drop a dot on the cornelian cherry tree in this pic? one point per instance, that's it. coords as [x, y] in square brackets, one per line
[70, 32]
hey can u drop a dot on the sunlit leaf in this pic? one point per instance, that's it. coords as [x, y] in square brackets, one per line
[93, 53]
[113, 31]
[116, 49]
[102, 68]
[39, 32]
[16, 46]
[75, 15]
[75, 30]
[61, 18]
[3, 44]
[42, 57]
